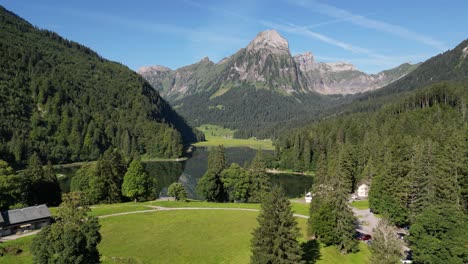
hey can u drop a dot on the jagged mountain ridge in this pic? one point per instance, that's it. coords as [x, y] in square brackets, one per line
[267, 63]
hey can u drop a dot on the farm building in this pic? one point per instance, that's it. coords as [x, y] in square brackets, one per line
[363, 190]
[24, 219]
[308, 197]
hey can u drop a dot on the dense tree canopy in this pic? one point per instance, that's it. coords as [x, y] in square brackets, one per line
[413, 151]
[73, 238]
[101, 182]
[439, 235]
[177, 190]
[137, 184]
[63, 101]
[40, 185]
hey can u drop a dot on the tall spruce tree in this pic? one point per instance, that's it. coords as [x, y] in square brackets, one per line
[217, 159]
[275, 239]
[259, 180]
[42, 186]
[210, 184]
[110, 171]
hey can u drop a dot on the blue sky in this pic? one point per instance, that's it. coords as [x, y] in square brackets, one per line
[373, 35]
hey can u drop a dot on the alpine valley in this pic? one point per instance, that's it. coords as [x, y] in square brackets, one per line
[263, 85]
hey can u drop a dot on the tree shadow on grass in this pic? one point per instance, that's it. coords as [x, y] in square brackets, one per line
[311, 251]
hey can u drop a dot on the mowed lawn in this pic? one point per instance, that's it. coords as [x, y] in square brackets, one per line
[360, 204]
[189, 236]
[179, 237]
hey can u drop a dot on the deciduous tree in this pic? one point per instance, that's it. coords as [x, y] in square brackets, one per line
[386, 247]
[73, 238]
[178, 191]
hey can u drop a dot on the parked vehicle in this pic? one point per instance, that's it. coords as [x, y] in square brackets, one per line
[363, 237]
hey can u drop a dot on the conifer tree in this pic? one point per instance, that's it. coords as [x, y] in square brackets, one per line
[307, 155]
[386, 246]
[42, 186]
[111, 168]
[210, 185]
[275, 239]
[217, 159]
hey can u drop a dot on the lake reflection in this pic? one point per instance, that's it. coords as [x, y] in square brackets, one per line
[190, 171]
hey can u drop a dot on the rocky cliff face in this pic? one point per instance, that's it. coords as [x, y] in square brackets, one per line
[266, 63]
[342, 77]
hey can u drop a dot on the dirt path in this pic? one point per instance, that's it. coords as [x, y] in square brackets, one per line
[153, 209]
[14, 237]
[367, 220]
[160, 208]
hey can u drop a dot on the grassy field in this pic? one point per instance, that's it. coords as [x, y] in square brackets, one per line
[23, 258]
[216, 135]
[107, 209]
[184, 236]
[360, 204]
[298, 208]
[329, 255]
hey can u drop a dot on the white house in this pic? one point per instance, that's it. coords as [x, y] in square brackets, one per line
[308, 197]
[363, 191]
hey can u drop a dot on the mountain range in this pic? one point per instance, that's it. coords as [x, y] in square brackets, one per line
[262, 85]
[262, 89]
[267, 63]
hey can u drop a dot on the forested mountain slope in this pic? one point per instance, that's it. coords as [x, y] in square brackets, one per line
[451, 65]
[65, 102]
[262, 86]
[413, 151]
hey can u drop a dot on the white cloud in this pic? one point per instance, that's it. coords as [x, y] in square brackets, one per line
[291, 28]
[369, 23]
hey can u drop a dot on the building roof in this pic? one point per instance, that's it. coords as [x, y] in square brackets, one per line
[27, 214]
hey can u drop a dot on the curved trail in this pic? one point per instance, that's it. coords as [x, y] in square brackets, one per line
[160, 208]
[153, 209]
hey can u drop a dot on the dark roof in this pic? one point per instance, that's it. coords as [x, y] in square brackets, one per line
[27, 214]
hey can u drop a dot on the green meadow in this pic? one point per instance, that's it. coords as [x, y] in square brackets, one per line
[360, 204]
[184, 236]
[217, 135]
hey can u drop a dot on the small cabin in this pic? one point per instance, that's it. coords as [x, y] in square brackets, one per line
[24, 219]
[308, 197]
[363, 191]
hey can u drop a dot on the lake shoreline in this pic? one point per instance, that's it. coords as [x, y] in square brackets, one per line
[275, 171]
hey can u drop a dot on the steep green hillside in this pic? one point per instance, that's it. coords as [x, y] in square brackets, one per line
[451, 65]
[413, 151]
[67, 103]
[253, 111]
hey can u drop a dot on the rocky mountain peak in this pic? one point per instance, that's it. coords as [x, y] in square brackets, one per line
[205, 59]
[305, 61]
[341, 66]
[271, 40]
[464, 52]
[155, 68]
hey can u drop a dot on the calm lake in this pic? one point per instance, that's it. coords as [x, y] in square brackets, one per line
[188, 172]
